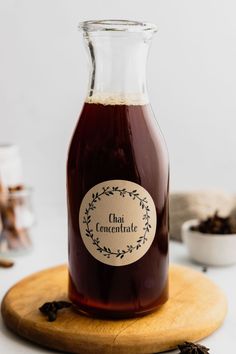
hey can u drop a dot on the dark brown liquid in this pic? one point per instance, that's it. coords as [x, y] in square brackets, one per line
[117, 142]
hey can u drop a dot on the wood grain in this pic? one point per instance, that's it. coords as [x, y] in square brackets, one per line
[196, 308]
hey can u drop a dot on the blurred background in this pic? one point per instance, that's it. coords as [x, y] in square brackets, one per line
[191, 81]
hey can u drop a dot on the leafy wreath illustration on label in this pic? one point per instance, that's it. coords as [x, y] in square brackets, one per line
[106, 190]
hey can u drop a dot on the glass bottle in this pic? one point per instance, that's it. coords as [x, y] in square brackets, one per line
[117, 181]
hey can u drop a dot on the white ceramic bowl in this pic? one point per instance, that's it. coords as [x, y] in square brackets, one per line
[209, 249]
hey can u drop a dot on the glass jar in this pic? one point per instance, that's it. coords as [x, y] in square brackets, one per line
[117, 181]
[17, 219]
[10, 165]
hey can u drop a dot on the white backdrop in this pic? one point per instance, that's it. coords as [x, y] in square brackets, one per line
[191, 80]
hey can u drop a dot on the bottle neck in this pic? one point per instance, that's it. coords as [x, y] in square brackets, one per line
[118, 67]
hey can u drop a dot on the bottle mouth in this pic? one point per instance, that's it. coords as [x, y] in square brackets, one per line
[117, 26]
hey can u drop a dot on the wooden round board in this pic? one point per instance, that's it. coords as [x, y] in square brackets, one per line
[196, 308]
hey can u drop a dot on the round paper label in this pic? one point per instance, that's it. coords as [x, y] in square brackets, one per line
[117, 222]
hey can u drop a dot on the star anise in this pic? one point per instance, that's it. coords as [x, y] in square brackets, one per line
[216, 225]
[50, 309]
[192, 348]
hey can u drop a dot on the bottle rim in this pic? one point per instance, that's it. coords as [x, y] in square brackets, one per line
[113, 25]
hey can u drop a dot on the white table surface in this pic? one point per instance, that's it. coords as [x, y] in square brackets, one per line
[50, 249]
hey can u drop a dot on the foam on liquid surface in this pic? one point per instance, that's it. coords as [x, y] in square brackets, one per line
[116, 99]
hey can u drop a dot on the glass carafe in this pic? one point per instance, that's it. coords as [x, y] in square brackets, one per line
[117, 180]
